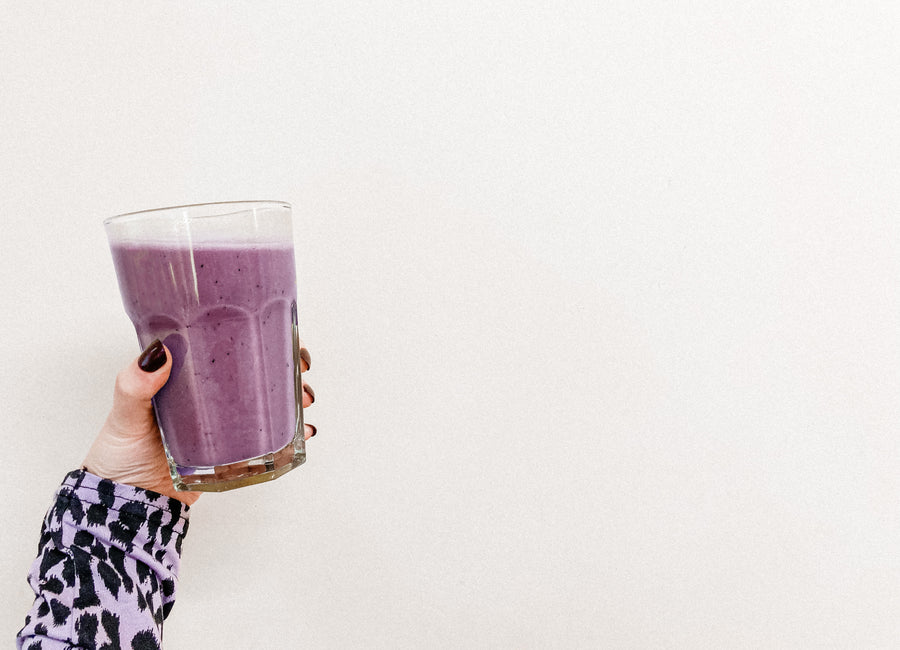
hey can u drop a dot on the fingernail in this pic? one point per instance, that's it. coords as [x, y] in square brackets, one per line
[309, 391]
[304, 354]
[313, 428]
[153, 358]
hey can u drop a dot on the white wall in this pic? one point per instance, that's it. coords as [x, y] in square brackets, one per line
[601, 297]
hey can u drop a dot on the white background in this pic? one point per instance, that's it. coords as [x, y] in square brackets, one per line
[602, 300]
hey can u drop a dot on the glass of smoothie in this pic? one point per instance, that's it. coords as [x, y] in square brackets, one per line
[216, 283]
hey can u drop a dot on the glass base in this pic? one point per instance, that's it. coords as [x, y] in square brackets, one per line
[220, 478]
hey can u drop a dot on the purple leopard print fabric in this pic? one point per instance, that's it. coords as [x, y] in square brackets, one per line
[106, 569]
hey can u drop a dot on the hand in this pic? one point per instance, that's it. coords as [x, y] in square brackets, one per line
[129, 447]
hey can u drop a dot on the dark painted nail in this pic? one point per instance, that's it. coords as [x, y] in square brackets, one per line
[153, 358]
[314, 430]
[304, 354]
[310, 391]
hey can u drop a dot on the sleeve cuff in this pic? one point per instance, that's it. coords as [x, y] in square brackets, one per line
[145, 524]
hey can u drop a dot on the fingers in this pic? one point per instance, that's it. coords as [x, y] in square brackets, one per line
[136, 384]
[304, 358]
[309, 395]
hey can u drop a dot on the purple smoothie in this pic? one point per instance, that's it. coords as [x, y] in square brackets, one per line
[227, 313]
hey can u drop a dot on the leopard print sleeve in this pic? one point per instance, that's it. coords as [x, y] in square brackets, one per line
[106, 568]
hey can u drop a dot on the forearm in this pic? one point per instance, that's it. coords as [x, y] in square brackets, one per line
[107, 566]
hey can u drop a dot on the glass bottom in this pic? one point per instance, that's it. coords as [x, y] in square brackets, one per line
[220, 478]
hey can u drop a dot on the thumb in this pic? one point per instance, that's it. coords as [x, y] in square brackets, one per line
[136, 384]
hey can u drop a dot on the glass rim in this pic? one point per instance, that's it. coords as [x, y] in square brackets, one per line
[237, 205]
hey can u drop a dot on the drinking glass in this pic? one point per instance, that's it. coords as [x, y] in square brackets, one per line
[216, 283]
